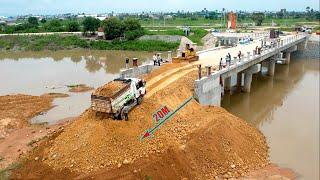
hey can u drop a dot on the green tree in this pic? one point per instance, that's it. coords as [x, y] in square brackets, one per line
[33, 21]
[54, 25]
[114, 28]
[90, 24]
[132, 29]
[258, 18]
[43, 20]
[73, 26]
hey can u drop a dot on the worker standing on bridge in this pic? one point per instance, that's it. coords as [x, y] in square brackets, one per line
[127, 62]
[154, 59]
[239, 55]
[158, 59]
[220, 64]
[228, 60]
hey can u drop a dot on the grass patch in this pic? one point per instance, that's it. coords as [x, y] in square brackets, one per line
[196, 33]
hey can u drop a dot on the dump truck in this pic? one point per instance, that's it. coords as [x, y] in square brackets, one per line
[118, 97]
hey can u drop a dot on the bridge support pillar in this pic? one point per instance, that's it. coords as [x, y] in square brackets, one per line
[227, 83]
[271, 67]
[288, 57]
[239, 81]
[247, 81]
[248, 76]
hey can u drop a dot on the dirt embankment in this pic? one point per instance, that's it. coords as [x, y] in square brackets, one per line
[197, 143]
[16, 134]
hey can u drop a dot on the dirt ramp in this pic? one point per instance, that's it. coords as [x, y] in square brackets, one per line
[198, 142]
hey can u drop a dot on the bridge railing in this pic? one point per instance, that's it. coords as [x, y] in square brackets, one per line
[252, 56]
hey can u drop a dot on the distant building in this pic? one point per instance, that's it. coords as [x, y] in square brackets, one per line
[100, 17]
[232, 20]
[101, 34]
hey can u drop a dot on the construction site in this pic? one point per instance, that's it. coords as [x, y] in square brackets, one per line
[165, 115]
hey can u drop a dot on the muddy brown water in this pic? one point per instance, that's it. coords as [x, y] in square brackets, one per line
[36, 73]
[286, 109]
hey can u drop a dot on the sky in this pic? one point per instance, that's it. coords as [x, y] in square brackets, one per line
[21, 7]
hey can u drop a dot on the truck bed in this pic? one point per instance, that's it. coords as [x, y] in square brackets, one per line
[112, 89]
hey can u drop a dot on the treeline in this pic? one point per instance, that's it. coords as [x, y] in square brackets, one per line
[60, 42]
[114, 28]
[33, 25]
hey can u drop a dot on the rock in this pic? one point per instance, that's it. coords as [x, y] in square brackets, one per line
[135, 171]
[36, 158]
[119, 165]
[182, 147]
[233, 166]
[126, 161]
[40, 131]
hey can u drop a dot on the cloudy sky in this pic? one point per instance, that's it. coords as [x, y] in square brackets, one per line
[18, 7]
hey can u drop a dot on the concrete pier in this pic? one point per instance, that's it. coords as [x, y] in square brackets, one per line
[287, 58]
[247, 82]
[271, 66]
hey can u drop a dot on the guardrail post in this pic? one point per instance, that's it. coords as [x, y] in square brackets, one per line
[199, 71]
[169, 55]
[208, 70]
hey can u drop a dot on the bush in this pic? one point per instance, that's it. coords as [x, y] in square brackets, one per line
[90, 24]
[73, 26]
[113, 28]
[54, 26]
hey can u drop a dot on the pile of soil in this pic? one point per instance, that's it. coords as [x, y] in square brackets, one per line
[198, 142]
[80, 88]
[110, 88]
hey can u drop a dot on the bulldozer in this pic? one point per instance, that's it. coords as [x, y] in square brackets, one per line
[188, 55]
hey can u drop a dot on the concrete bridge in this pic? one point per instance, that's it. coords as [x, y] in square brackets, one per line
[209, 89]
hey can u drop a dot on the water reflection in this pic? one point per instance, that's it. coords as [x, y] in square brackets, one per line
[286, 109]
[110, 61]
[36, 73]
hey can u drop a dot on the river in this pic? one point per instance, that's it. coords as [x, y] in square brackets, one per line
[36, 73]
[286, 110]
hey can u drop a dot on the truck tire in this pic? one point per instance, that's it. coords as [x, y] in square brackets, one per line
[139, 100]
[123, 115]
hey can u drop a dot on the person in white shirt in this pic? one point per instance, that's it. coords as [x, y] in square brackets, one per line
[155, 59]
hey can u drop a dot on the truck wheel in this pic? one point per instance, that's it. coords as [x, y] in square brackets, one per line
[124, 115]
[139, 100]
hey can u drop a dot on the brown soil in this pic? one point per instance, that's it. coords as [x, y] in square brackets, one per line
[271, 171]
[55, 95]
[16, 110]
[198, 142]
[33, 166]
[110, 89]
[15, 130]
[80, 88]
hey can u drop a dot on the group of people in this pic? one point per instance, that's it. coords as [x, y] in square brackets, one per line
[157, 59]
[228, 60]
